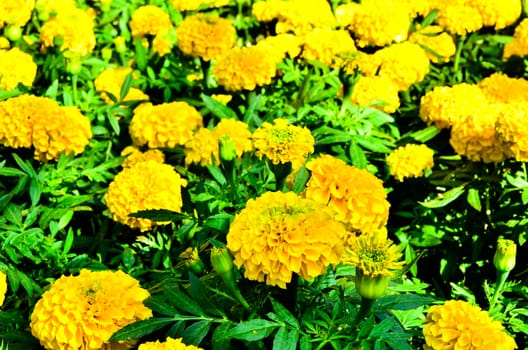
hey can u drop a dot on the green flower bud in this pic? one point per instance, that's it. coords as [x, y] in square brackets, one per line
[193, 261]
[371, 287]
[227, 148]
[222, 262]
[13, 33]
[504, 259]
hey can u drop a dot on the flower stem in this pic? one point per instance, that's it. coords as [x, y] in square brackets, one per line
[499, 287]
[364, 310]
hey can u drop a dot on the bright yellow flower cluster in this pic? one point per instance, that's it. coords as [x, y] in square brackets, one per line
[440, 43]
[281, 45]
[40, 122]
[497, 13]
[191, 5]
[459, 18]
[357, 197]
[16, 67]
[519, 45]
[512, 130]
[165, 125]
[500, 88]
[325, 44]
[74, 27]
[375, 91]
[169, 344]
[458, 325]
[244, 68]
[279, 234]
[3, 287]
[83, 311]
[15, 12]
[111, 80]
[149, 20]
[410, 161]
[205, 36]
[146, 185]
[283, 143]
[134, 156]
[49, 7]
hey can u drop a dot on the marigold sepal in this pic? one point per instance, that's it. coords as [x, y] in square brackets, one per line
[504, 259]
[371, 287]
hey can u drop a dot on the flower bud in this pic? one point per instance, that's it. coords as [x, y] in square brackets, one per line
[222, 261]
[193, 261]
[227, 148]
[504, 259]
[13, 33]
[371, 287]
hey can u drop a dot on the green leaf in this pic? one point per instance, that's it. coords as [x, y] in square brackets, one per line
[253, 330]
[218, 109]
[141, 328]
[445, 198]
[473, 198]
[299, 183]
[372, 144]
[13, 214]
[285, 340]
[431, 16]
[403, 301]
[159, 305]
[68, 242]
[34, 191]
[202, 295]
[217, 174]
[357, 155]
[381, 328]
[219, 222]
[195, 333]
[125, 88]
[426, 134]
[11, 172]
[220, 340]
[183, 302]
[284, 314]
[159, 215]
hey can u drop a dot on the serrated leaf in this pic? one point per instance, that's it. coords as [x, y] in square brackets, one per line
[431, 16]
[253, 330]
[183, 302]
[217, 174]
[195, 333]
[284, 314]
[141, 328]
[445, 198]
[372, 144]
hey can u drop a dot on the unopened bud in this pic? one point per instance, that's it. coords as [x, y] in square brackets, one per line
[222, 261]
[504, 259]
[227, 148]
[13, 33]
[371, 287]
[192, 260]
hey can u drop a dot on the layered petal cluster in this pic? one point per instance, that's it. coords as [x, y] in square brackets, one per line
[205, 36]
[3, 287]
[74, 27]
[16, 12]
[378, 92]
[519, 45]
[111, 80]
[458, 325]
[16, 67]
[146, 185]
[281, 46]
[279, 234]
[459, 18]
[168, 124]
[149, 20]
[410, 161]
[245, 68]
[497, 13]
[283, 143]
[83, 311]
[49, 7]
[440, 46]
[169, 344]
[134, 155]
[191, 5]
[500, 88]
[357, 197]
[40, 122]
[325, 45]
[512, 130]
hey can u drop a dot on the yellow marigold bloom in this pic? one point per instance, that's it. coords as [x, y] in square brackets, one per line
[356, 196]
[163, 42]
[420, 7]
[380, 23]
[519, 45]
[410, 161]
[325, 44]
[74, 27]
[83, 311]
[498, 13]
[4, 43]
[500, 88]
[205, 36]
[16, 12]
[434, 39]
[279, 234]
[283, 143]
[16, 67]
[169, 344]
[53, 7]
[147, 185]
[222, 98]
[405, 64]
[244, 68]
[191, 5]
[445, 106]
[458, 325]
[134, 156]
[512, 130]
[377, 92]
[3, 287]
[202, 148]
[459, 18]
[238, 131]
[267, 11]
[111, 80]
[149, 20]
[345, 13]
[281, 45]
[165, 125]
[373, 254]
[365, 63]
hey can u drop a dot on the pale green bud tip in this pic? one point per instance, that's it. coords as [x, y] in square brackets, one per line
[371, 287]
[504, 259]
[192, 260]
[221, 260]
[227, 148]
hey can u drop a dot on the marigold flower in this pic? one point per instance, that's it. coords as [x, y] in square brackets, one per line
[169, 344]
[205, 36]
[441, 44]
[445, 106]
[82, 312]
[405, 64]
[512, 130]
[410, 161]
[325, 44]
[281, 45]
[244, 68]
[498, 13]
[357, 197]
[519, 45]
[500, 88]
[460, 18]
[191, 5]
[16, 67]
[3, 287]
[283, 143]
[74, 27]
[46, 8]
[238, 131]
[146, 185]
[222, 98]
[345, 13]
[149, 20]
[202, 148]
[367, 64]
[16, 12]
[377, 92]
[4, 43]
[279, 234]
[164, 125]
[111, 80]
[459, 325]
[134, 156]
[163, 42]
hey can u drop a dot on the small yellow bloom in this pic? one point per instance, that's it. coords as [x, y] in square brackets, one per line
[410, 161]
[281, 46]
[169, 344]
[378, 92]
[498, 13]
[202, 148]
[519, 45]
[16, 67]
[149, 20]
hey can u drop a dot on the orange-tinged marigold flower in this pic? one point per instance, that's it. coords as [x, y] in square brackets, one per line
[283, 143]
[83, 311]
[165, 125]
[168, 344]
[111, 80]
[500, 88]
[191, 5]
[440, 46]
[279, 234]
[146, 185]
[458, 325]
[16, 12]
[410, 161]
[3, 287]
[205, 36]
[16, 67]
[149, 20]
[378, 92]
[134, 155]
[245, 68]
[325, 44]
[357, 197]
[512, 130]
